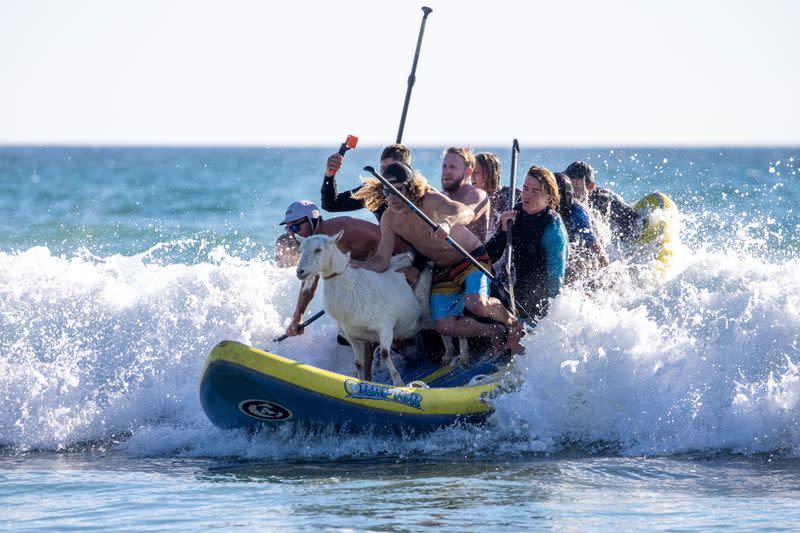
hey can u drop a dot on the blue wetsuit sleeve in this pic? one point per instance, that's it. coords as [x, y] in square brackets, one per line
[554, 241]
[582, 224]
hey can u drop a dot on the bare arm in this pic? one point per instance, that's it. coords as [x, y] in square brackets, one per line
[307, 292]
[379, 262]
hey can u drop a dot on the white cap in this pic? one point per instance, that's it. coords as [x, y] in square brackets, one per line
[301, 209]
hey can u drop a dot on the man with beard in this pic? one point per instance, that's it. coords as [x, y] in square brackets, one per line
[457, 167]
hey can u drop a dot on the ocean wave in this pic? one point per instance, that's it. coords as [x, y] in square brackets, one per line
[110, 350]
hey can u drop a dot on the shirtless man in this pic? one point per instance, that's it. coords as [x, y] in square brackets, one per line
[458, 165]
[457, 283]
[360, 239]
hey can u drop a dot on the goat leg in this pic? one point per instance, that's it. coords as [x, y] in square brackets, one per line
[358, 354]
[386, 356]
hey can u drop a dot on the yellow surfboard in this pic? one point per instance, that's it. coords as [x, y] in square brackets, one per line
[660, 229]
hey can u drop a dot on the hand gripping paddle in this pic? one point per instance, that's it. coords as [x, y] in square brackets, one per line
[348, 144]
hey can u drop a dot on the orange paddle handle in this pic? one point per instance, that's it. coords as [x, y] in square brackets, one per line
[348, 144]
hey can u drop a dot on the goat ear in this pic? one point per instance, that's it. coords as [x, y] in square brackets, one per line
[338, 236]
[300, 239]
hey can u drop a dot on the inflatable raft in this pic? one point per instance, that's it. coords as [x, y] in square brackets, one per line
[244, 387]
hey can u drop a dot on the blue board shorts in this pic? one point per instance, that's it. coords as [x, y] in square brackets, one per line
[451, 285]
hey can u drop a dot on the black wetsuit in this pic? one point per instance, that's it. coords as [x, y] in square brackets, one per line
[539, 260]
[342, 202]
[621, 216]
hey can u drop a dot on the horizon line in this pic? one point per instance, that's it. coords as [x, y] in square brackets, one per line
[422, 145]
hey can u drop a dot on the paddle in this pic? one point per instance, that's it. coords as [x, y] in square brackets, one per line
[353, 140]
[412, 77]
[301, 326]
[435, 227]
[510, 225]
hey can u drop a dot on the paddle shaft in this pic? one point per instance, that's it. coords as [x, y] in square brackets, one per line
[301, 326]
[344, 147]
[429, 222]
[412, 77]
[510, 225]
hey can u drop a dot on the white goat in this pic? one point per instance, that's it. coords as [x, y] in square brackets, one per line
[367, 306]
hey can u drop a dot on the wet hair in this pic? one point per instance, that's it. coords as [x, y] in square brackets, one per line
[464, 153]
[566, 193]
[398, 173]
[490, 165]
[371, 192]
[398, 152]
[548, 181]
[580, 170]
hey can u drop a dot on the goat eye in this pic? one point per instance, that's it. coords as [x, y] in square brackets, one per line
[318, 250]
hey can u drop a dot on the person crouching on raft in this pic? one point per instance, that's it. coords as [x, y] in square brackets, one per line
[457, 284]
[360, 239]
[539, 241]
[586, 254]
[622, 218]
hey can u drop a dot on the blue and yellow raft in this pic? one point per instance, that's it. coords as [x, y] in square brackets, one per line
[244, 387]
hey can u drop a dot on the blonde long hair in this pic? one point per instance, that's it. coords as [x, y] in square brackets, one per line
[371, 192]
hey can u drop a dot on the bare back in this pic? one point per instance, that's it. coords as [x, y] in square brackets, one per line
[360, 238]
[404, 223]
[477, 200]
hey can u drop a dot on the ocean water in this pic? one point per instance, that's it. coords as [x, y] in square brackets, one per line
[652, 403]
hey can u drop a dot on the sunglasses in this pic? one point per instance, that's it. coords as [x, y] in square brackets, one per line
[294, 227]
[387, 191]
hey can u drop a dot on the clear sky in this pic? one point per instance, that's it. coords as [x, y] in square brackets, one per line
[553, 72]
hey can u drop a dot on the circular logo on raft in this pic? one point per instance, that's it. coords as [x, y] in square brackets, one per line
[264, 410]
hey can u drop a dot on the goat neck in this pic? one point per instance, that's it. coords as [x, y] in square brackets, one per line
[337, 264]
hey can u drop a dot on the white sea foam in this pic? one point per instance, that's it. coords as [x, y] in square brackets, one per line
[110, 350]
